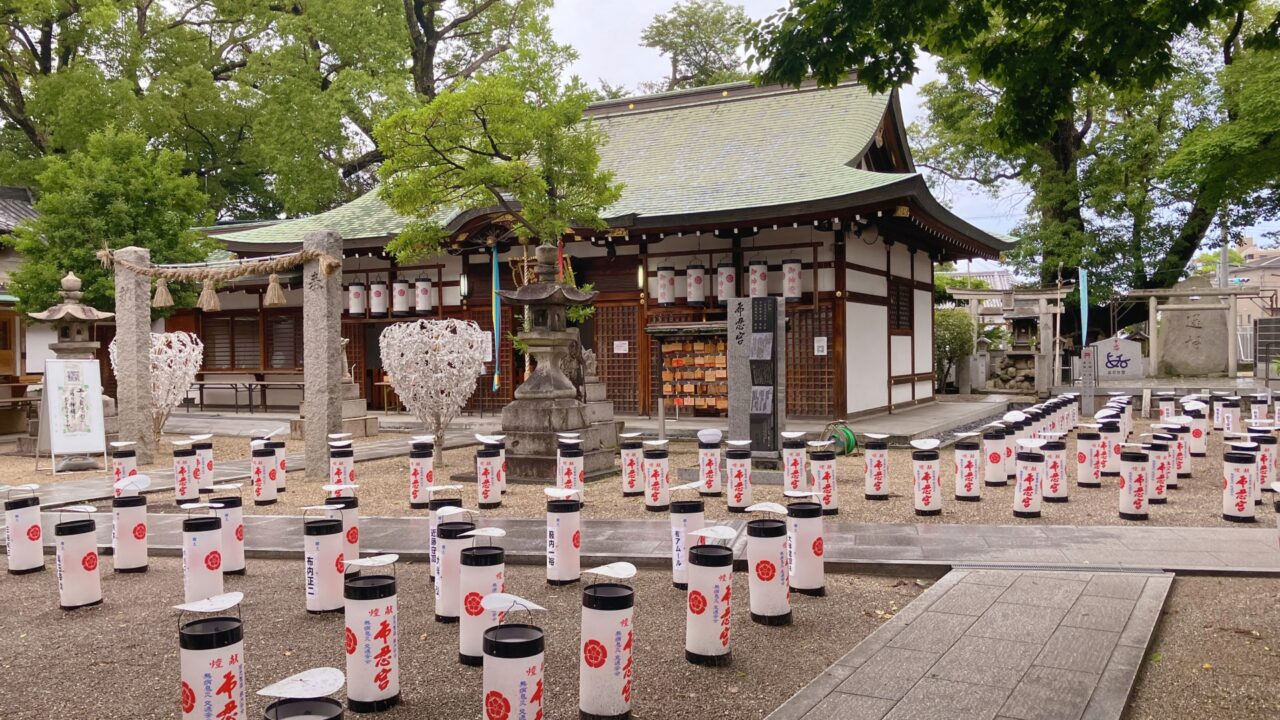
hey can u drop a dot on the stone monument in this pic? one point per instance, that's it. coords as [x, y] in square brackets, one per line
[547, 402]
[1194, 342]
[758, 374]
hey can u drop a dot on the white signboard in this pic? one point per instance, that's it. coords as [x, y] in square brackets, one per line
[488, 346]
[71, 408]
[621, 347]
[820, 346]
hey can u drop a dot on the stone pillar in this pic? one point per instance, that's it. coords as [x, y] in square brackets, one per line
[1233, 341]
[133, 354]
[322, 352]
[1153, 338]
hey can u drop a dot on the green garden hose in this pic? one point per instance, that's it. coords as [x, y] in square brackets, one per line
[846, 442]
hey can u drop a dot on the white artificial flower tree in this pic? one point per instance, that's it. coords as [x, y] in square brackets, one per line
[176, 357]
[433, 366]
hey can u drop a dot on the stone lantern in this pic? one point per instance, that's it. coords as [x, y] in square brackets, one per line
[547, 401]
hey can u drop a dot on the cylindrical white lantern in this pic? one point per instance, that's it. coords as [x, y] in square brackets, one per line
[926, 467]
[304, 709]
[792, 287]
[357, 301]
[124, 463]
[768, 586]
[1259, 409]
[968, 460]
[129, 534]
[514, 656]
[1231, 416]
[686, 516]
[708, 606]
[433, 521]
[737, 470]
[1135, 477]
[666, 279]
[342, 469]
[758, 278]
[262, 469]
[631, 460]
[202, 475]
[488, 495]
[378, 299]
[1109, 449]
[480, 572]
[422, 475]
[1166, 405]
[806, 570]
[795, 471]
[726, 282]
[1217, 402]
[372, 643]
[1057, 486]
[347, 510]
[1030, 484]
[1238, 470]
[201, 557]
[570, 467]
[282, 463]
[185, 489]
[211, 658]
[1198, 444]
[400, 298]
[822, 466]
[324, 564]
[501, 446]
[1266, 461]
[1018, 431]
[876, 458]
[22, 533]
[564, 541]
[608, 641]
[695, 277]
[232, 516]
[79, 580]
[1088, 471]
[993, 447]
[422, 296]
[657, 472]
[449, 545]
[709, 469]
[1181, 454]
[1158, 479]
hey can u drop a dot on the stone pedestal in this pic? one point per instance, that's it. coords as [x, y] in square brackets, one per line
[355, 415]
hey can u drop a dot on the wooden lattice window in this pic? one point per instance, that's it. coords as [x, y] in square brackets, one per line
[620, 372]
[810, 377]
[284, 341]
[901, 310]
[230, 342]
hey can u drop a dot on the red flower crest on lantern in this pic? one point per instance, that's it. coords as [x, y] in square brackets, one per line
[89, 562]
[33, 533]
[353, 535]
[697, 603]
[240, 533]
[577, 539]
[817, 547]
[140, 531]
[994, 458]
[594, 653]
[766, 571]
[213, 560]
[496, 706]
[188, 698]
[1081, 458]
[350, 641]
[340, 564]
[471, 603]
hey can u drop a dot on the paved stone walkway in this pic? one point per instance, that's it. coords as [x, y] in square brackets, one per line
[984, 644]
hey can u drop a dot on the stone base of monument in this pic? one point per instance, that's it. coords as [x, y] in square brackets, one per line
[355, 416]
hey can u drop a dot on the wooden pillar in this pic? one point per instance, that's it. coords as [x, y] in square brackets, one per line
[838, 308]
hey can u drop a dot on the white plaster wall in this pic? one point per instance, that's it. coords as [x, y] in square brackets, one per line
[900, 260]
[868, 371]
[923, 330]
[924, 390]
[924, 267]
[901, 394]
[857, 281]
[860, 253]
[901, 346]
[37, 345]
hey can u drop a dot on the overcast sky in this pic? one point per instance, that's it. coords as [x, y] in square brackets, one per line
[606, 34]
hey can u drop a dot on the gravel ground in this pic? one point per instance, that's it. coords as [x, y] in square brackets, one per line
[1215, 654]
[120, 660]
[1197, 502]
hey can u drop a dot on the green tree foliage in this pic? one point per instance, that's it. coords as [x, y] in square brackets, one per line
[944, 283]
[515, 139]
[1206, 263]
[115, 192]
[952, 340]
[701, 39]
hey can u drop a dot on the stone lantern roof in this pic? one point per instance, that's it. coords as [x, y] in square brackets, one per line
[71, 309]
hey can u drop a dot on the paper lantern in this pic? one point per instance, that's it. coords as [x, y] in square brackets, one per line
[449, 545]
[1135, 479]
[185, 489]
[737, 465]
[304, 709]
[324, 564]
[1110, 448]
[488, 494]
[1266, 461]
[421, 476]
[608, 641]
[204, 456]
[926, 467]
[822, 465]
[768, 586]
[422, 296]
[993, 449]
[666, 279]
[631, 458]
[372, 643]
[1217, 402]
[76, 558]
[968, 460]
[1231, 416]
[1198, 442]
[22, 532]
[570, 467]
[231, 514]
[401, 295]
[1237, 482]
[124, 463]
[564, 541]
[346, 510]
[1258, 407]
[1030, 485]
[806, 569]
[1166, 404]
[514, 656]
[262, 468]
[1057, 487]
[657, 471]
[708, 605]
[695, 277]
[433, 522]
[282, 463]
[1018, 432]
[686, 515]
[795, 473]
[211, 658]
[342, 469]
[357, 302]
[481, 572]
[1088, 471]
[1181, 453]
[1252, 448]
[1158, 478]
[378, 299]
[129, 534]
[201, 557]
[726, 282]
[792, 287]
[758, 278]
[876, 471]
[709, 469]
